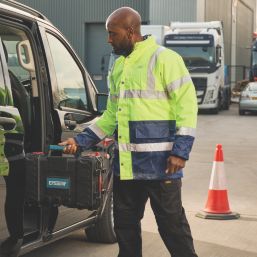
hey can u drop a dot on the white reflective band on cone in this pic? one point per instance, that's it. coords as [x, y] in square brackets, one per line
[218, 177]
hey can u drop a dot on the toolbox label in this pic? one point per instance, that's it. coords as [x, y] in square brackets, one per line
[58, 183]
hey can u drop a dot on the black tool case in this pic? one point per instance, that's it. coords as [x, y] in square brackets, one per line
[74, 182]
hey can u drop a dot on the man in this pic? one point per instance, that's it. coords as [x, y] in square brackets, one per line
[152, 112]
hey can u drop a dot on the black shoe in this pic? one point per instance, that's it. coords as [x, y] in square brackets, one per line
[10, 247]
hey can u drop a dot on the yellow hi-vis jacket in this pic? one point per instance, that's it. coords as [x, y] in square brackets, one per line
[152, 110]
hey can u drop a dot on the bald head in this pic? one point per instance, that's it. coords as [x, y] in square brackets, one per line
[125, 17]
[123, 27]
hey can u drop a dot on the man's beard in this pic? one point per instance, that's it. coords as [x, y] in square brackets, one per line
[124, 51]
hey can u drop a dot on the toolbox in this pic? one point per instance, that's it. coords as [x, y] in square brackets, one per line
[75, 182]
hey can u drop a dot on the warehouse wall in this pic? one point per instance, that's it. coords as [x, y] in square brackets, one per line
[239, 21]
[164, 11]
[221, 10]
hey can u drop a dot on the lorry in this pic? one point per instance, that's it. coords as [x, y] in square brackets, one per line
[157, 31]
[46, 96]
[201, 46]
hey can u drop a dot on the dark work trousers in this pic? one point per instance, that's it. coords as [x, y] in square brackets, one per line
[15, 193]
[130, 197]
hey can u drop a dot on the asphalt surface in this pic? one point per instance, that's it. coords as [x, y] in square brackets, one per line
[213, 238]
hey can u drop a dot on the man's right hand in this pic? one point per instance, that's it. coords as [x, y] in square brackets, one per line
[70, 146]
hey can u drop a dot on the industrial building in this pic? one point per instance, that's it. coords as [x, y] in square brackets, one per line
[83, 23]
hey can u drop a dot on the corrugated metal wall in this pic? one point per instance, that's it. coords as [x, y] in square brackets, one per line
[83, 23]
[71, 15]
[244, 19]
[244, 31]
[164, 11]
[221, 10]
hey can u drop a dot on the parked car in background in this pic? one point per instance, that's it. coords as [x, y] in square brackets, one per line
[248, 99]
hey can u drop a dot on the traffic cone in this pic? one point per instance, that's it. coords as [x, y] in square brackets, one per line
[217, 205]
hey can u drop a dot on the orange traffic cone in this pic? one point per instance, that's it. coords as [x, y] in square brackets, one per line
[217, 205]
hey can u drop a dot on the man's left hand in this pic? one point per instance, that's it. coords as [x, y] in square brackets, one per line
[174, 164]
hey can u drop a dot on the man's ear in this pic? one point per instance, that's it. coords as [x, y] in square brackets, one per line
[130, 32]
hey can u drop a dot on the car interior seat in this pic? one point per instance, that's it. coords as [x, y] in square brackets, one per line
[21, 99]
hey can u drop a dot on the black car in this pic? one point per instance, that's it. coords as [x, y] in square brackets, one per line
[57, 99]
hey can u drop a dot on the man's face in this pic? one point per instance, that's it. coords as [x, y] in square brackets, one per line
[120, 39]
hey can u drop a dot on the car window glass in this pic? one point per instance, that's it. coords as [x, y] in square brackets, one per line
[13, 62]
[70, 83]
[20, 77]
[12, 37]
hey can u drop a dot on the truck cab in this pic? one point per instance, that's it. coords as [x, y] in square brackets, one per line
[46, 96]
[201, 45]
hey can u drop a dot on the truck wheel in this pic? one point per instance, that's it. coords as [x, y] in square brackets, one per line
[226, 104]
[103, 230]
[227, 100]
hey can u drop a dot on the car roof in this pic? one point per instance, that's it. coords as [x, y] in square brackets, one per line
[252, 84]
[21, 9]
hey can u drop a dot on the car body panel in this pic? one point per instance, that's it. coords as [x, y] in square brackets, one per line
[248, 98]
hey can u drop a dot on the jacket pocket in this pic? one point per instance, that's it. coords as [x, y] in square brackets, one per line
[151, 131]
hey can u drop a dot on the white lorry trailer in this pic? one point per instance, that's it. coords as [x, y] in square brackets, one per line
[158, 31]
[201, 45]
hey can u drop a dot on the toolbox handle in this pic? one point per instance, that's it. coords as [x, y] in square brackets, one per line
[60, 148]
[56, 148]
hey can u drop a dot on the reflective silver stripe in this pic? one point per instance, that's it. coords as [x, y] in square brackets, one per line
[97, 131]
[178, 83]
[150, 92]
[186, 131]
[151, 65]
[150, 147]
[146, 94]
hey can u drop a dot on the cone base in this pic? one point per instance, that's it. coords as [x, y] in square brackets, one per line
[215, 216]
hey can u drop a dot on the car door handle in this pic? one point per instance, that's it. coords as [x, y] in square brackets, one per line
[71, 124]
[7, 123]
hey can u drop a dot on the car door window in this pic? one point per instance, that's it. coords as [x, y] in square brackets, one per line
[70, 82]
[21, 77]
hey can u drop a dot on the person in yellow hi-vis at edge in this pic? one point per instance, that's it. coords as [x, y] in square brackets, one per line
[152, 113]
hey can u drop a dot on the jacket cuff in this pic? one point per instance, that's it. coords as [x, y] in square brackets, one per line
[87, 139]
[182, 146]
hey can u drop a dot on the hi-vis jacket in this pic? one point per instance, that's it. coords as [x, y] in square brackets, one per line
[151, 110]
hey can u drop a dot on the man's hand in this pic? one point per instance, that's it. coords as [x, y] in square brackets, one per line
[70, 146]
[174, 164]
